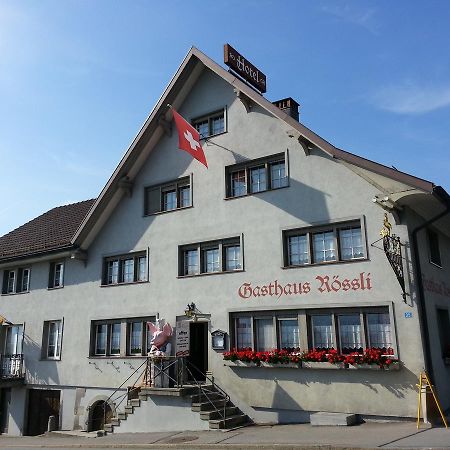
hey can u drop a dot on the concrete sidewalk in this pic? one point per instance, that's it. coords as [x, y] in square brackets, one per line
[304, 436]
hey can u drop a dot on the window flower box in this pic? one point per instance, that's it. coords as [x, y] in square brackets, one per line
[363, 366]
[370, 359]
[281, 365]
[322, 365]
[238, 364]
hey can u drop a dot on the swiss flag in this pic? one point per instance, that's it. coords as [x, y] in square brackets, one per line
[189, 139]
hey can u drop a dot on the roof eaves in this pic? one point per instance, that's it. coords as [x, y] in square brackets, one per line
[121, 167]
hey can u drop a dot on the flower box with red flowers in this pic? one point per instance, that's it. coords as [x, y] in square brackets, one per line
[250, 358]
[373, 359]
[322, 359]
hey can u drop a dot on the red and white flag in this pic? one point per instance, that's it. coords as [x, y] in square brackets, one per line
[189, 138]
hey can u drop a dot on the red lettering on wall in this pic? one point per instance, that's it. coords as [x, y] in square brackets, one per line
[323, 284]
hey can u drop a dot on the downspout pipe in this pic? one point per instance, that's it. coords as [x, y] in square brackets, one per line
[423, 319]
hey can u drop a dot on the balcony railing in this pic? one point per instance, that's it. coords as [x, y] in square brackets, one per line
[11, 367]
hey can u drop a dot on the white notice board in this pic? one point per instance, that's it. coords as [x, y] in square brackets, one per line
[182, 338]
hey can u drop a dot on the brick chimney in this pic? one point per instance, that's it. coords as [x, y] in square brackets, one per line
[289, 106]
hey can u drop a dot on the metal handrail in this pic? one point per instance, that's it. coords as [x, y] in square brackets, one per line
[204, 391]
[108, 400]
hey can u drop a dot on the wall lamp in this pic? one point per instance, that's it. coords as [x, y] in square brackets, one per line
[192, 312]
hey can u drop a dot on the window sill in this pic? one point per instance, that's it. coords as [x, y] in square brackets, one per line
[50, 359]
[15, 293]
[326, 263]
[205, 138]
[211, 273]
[250, 194]
[438, 266]
[54, 288]
[158, 213]
[123, 284]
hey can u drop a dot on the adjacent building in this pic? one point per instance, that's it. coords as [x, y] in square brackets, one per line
[276, 245]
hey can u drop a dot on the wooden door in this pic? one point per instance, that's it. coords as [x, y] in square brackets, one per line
[5, 402]
[197, 361]
[42, 404]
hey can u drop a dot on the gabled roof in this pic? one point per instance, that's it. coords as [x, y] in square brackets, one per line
[52, 230]
[388, 180]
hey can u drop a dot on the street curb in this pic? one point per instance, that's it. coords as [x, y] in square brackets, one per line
[202, 446]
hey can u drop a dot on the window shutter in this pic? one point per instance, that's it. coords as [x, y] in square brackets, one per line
[153, 201]
[51, 275]
[5, 281]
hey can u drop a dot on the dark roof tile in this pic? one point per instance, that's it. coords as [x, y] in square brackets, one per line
[50, 231]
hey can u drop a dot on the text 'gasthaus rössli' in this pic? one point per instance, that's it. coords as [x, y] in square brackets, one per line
[323, 284]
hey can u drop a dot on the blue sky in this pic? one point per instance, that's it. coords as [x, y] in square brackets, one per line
[78, 79]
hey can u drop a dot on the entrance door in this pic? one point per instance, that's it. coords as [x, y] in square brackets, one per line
[101, 414]
[197, 361]
[41, 405]
[5, 401]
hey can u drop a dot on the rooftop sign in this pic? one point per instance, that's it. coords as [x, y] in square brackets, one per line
[242, 67]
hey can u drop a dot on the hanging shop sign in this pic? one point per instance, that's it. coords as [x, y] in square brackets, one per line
[323, 284]
[393, 251]
[182, 338]
[235, 61]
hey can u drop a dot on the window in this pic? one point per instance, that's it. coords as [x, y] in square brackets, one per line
[131, 268]
[322, 331]
[168, 196]
[12, 364]
[347, 330]
[210, 257]
[16, 281]
[121, 337]
[210, 124]
[14, 340]
[56, 275]
[328, 243]
[257, 176]
[265, 331]
[433, 245]
[52, 339]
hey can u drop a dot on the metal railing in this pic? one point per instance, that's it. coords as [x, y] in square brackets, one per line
[210, 391]
[168, 372]
[11, 367]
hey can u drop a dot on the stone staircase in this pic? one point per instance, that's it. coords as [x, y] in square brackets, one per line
[212, 406]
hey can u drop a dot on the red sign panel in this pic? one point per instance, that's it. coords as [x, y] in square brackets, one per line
[242, 67]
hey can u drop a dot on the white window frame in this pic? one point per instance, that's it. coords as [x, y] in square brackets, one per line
[124, 338]
[305, 325]
[170, 186]
[58, 342]
[335, 227]
[18, 287]
[202, 247]
[120, 259]
[54, 281]
[209, 117]
[266, 162]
